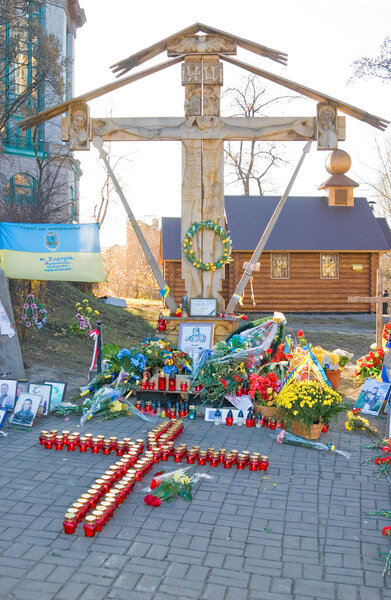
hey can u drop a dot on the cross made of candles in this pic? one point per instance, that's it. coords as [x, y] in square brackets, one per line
[98, 504]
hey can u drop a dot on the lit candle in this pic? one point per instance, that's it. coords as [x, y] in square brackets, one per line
[89, 526]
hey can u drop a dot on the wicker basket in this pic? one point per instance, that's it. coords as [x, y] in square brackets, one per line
[266, 411]
[309, 433]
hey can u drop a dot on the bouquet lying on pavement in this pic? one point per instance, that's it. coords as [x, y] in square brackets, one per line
[167, 486]
[357, 423]
[285, 437]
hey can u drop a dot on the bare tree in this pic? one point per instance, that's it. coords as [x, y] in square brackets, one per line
[30, 61]
[377, 66]
[252, 161]
[48, 201]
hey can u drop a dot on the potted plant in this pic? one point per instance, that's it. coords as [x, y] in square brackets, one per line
[306, 406]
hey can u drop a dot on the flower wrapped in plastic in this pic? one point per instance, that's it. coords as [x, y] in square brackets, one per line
[168, 486]
[285, 437]
[223, 370]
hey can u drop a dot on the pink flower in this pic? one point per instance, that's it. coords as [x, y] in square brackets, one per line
[24, 317]
[33, 305]
[25, 305]
[28, 324]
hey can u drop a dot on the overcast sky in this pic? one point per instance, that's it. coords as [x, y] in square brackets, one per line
[321, 42]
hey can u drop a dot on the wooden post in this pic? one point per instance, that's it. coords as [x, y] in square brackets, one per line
[265, 236]
[378, 300]
[97, 142]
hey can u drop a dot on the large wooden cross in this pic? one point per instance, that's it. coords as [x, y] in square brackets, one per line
[202, 131]
[378, 299]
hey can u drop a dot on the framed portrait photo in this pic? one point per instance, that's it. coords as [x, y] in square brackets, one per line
[25, 409]
[373, 395]
[3, 414]
[21, 386]
[195, 337]
[7, 393]
[58, 392]
[45, 391]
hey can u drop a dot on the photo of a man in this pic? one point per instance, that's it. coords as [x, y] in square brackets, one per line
[372, 396]
[25, 409]
[7, 393]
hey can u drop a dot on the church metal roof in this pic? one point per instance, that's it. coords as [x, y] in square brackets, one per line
[306, 223]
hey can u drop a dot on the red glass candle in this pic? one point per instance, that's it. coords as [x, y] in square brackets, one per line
[214, 459]
[239, 391]
[162, 382]
[113, 443]
[191, 458]
[241, 462]
[148, 407]
[101, 440]
[89, 526]
[253, 464]
[222, 452]
[263, 463]
[272, 425]
[69, 523]
[83, 444]
[76, 435]
[65, 435]
[53, 433]
[172, 383]
[151, 385]
[228, 461]
[202, 457]
[184, 386]
[88, 437]
[234, 454]
[229, 421]
[143, 385]
[264, 421]
[198, 388]
[48, 443]
[140, 445]
[100, 521]
[325, 428]
[107, 447]
[120, 448]
[95, 445]
[246, 455]
[178, 456]
[59, 442]
[42, 437]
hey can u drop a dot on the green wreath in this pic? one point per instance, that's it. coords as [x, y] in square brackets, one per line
[190, 254]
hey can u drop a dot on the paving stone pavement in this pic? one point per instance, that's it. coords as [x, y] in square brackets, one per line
[298, 532]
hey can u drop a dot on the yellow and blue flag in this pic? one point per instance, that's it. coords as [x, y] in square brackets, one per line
[51, 251]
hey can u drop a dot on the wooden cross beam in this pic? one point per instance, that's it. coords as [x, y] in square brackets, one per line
[378, 299]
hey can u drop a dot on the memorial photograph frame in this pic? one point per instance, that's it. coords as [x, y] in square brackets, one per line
[35, 400]
[45, 391]
[202, 334]
[3, 414]
[58, 393]
[10, 392]
[373, 396]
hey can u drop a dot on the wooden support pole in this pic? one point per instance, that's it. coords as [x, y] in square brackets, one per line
[378, 300]
[379, 307]
[265, 236]
[98, 143]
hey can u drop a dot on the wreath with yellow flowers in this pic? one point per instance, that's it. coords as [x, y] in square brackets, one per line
[190, 254]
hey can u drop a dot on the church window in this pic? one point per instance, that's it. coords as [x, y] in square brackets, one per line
[21, 189]
[329, 266]
[279, 266]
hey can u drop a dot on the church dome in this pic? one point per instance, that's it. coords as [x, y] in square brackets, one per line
[338, 162]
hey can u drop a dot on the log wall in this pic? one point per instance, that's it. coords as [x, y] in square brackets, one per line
[304, 291]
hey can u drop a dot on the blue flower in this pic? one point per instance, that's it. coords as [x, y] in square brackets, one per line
[124, 352]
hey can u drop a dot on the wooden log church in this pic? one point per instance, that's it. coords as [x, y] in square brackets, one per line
[322, 248]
